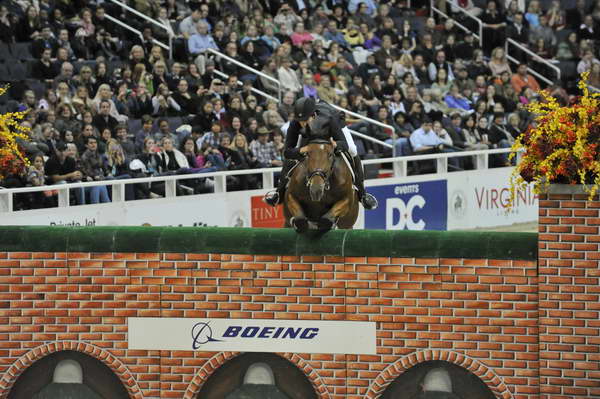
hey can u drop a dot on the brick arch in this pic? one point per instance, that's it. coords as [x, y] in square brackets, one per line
[35, 354]
[221, 358]
[394, 370]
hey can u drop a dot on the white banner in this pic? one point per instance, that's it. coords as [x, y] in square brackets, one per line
[248, 335]
[481, 200]
[225, 210]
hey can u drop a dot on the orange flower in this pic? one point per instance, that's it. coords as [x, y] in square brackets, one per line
[563, 145]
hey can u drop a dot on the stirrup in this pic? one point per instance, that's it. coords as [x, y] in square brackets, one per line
[369, 201]
[271, 198]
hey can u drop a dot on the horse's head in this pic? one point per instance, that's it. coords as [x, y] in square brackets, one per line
[319, 165]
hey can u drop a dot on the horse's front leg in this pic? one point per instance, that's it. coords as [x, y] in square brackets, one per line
[298, 219]
[329, 220]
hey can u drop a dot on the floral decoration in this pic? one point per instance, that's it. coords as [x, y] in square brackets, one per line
[12, 156]
[562, 145]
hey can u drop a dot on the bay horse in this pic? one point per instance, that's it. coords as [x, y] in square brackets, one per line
[320, 191]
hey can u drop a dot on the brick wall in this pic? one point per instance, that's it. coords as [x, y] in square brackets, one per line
[479, 314]
[569, 295]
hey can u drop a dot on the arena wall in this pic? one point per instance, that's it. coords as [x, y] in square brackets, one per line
[468, 298]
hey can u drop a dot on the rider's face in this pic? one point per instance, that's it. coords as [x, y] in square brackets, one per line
[306, 122]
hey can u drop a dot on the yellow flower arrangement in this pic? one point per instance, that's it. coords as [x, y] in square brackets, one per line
[12, 157]
[562, 146]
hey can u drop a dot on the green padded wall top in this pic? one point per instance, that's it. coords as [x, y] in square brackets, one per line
[226, 240]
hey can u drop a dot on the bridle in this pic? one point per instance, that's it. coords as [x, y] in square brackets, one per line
[324, 174]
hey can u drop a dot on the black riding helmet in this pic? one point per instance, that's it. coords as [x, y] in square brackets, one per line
[304, 108]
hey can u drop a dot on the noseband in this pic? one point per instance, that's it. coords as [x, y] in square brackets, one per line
[319, 172]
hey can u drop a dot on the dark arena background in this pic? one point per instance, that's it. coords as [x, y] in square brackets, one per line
[481, 315]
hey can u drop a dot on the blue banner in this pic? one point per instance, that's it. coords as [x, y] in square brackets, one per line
[413, 206]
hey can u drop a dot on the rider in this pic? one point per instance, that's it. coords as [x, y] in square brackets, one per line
[311, 116]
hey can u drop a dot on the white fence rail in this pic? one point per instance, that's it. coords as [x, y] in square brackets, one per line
[168, 47]
[137, 32]
[400, 169]
[521, 47]
[455, 7]
[218, 54]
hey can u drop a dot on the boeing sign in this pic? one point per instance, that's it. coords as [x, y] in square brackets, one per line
[248, 335]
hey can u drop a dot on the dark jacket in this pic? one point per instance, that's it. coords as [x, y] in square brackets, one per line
[497, 133]
[102, 123]
[458, 138]
[328, 124]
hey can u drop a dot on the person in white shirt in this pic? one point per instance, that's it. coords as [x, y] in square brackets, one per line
[288, 77]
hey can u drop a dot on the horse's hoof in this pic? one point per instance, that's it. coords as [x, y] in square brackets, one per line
[325, 224]
[300, 224]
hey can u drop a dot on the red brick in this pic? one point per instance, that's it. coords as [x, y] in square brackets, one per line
[572, 237]
[560, 212]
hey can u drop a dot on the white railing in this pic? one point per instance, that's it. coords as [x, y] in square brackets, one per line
[366, 118]
[373, 121]
[371, 139]
[137, 32]
[536, 57]
[152, 21]
[400, 169]
[254, 90]
[454, 8]
[254, 71]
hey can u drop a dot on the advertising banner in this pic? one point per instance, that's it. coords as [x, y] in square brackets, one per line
[249, 335]
[410, 206]
[481, 200]
[225, 210]
[264, 215]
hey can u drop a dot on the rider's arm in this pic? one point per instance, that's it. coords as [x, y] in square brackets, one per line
[291, 141]
[337, 134]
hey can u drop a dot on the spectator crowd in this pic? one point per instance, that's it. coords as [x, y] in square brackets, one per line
[107, 104]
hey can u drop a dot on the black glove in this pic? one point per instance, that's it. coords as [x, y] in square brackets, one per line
[293, 153]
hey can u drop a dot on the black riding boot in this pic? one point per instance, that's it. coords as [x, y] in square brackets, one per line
[274, 198]
[368, 201]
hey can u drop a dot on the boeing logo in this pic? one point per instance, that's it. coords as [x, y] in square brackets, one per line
[202, 333]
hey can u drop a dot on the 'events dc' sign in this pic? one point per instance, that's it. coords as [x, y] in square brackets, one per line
[414, 206]
[249, 335]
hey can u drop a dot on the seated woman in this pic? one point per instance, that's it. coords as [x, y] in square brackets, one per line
[240, 157]
[163, 103]
[118, 166]
[36, 176]
[172, 161]
[498, 62]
